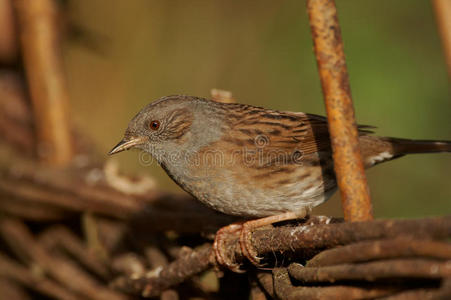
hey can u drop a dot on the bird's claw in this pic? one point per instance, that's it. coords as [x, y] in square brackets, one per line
[224, 254]
[247, 248]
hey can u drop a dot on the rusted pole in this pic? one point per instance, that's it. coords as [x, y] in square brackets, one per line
[340, 111]
[44, 69]
[443, 15]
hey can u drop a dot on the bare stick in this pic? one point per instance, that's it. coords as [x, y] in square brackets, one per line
[284, 290]
[44, 69]
[10, 289]
[443, 15]
[22, 242]
[303, 240]
[396, 268]
[11, 269]
[383, 249]
[160, 279]
[344, 136]
[61, 238]
[308, 239]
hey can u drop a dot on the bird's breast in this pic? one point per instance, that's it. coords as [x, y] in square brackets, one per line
[225, 183]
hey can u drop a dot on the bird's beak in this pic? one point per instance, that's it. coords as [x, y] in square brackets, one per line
[126, 144]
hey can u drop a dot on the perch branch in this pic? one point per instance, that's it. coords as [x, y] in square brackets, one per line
[312, 239]
[304, 240]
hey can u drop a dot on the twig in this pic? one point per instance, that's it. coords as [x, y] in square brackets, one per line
[443, 16]
[383, 249]
[284, 290]
[160, 279]
[404, 268]
[21, 241]
[344, 136]
[69, 191]
[16, 125]
[444, 292]
[266, 282]
[43, 64]
[256, 292]
[14, 271]
[308, 240]
[222, 96]
[128, 264]
[61, 238]
[304, 240]
[10, 289]
[30, 210]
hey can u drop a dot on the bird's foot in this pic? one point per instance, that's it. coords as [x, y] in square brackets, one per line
[247, 248]
[227, 237]
[223, 246]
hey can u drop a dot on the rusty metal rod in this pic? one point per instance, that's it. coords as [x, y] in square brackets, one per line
[331, 62]
[38, 28]
[443, 15]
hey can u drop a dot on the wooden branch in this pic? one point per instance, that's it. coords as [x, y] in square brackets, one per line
[308, 240]
[21, 241]
[444, 292]
[284, 290]
[382, 249]
[16, 126]
[61, 239]
[33, 280]
[304, 241]
[44, 69]
[160, 279]
[11, 289]
[265, 280]
[8, 37]
[372, 271]
[443, 16]
[48, 194]
[349, 170]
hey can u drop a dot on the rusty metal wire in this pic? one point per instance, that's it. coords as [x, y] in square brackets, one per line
[348, 163]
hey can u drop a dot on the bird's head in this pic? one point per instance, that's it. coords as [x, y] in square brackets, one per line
[159, 125]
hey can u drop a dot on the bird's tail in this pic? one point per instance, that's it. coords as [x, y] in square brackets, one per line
[406, 146]
[379, 149]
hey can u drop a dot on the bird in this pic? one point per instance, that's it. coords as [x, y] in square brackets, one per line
[260, 164]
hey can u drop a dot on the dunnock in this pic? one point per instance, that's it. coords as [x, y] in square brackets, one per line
[250, 161]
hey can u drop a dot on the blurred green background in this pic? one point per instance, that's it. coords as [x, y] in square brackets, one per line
[262, 52]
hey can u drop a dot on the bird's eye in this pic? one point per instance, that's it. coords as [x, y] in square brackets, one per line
[154, 125]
